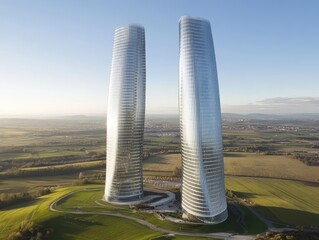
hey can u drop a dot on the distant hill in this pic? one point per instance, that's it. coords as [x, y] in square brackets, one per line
[260, 116]
[256, 116]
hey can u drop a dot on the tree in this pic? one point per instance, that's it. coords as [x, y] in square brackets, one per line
[177, 172]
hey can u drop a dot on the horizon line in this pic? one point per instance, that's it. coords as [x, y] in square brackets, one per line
[62, 115]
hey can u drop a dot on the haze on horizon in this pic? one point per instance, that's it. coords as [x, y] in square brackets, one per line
[56, 55]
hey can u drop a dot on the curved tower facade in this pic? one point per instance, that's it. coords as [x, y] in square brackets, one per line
[203, 190]
[125, 117]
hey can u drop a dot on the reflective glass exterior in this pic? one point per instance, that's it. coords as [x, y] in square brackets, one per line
[203, 191]
[125, 116]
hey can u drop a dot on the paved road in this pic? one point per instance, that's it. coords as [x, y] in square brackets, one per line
[220, 235]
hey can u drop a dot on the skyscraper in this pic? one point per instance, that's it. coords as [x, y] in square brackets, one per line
[203, 192]
[125, 116]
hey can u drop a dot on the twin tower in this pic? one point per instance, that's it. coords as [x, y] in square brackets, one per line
[203, 193]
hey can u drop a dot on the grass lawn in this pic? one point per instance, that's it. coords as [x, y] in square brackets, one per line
[71, 226]
[281, 201]
[85, 201]
[97, 227]
[68, 226]
[164, 237]
[36, 210]
[80, 227]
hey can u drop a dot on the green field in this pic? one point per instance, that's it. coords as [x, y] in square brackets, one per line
[262, 152]
[276, 200]
[283, 202]
[70, 226]
[36, 210]
[86, 201]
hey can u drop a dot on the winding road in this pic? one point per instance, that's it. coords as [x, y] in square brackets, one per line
[221, 235]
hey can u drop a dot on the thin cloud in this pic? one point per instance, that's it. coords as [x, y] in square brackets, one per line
[279, 105]
[300, 101]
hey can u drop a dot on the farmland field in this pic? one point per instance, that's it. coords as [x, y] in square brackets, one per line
[30, 183]
[285, 167]
[162, 162]
[283, 202]
[41, 142]
[259, 155]
[244, 164]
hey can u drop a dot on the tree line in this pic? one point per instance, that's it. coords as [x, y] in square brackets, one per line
[29, 230]
[52, 170]
[44, 162]
[9, 199]
[310, 159]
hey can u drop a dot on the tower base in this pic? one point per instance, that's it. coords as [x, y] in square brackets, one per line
[124, 200]
[219, 218]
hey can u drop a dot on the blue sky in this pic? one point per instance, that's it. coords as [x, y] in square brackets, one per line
[55, 56]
